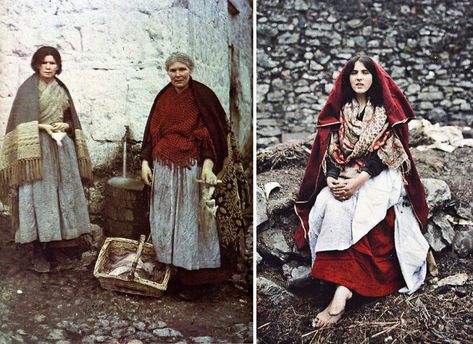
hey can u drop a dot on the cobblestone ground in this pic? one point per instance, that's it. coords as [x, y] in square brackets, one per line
[69, 306]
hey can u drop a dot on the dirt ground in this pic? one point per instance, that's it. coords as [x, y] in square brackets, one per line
[70, 307]
[431, 315]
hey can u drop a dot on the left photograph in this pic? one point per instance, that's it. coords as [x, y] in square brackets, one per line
[126, 167]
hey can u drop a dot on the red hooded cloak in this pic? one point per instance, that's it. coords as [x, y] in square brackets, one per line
[398, 111]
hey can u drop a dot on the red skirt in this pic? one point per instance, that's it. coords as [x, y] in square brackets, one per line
[369, 267]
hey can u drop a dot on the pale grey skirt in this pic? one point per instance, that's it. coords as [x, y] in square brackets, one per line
[55, 207]
[174, 220]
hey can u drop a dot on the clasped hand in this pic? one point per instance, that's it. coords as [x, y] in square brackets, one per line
[343, 189]
[54, 128]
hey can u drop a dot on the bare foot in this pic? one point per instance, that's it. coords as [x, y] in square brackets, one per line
[339, 301]
[324, 319]
[334, 311]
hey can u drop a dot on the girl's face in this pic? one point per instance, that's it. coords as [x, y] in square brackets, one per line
[48, 68]
[360, 78]
[179, 74]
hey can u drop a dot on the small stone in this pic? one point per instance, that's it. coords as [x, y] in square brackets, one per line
[101, 339]
[16, 339]
[457, 279]
[102, 332]
[331, 19]
[56, 334]
[258, 258]
[167, 332]
[140, 326]
[202, 340]
[103, 323]
[461, 292]
[155, 325]
[90, 339]
[354, 23]
[119, 323]
[39, 318]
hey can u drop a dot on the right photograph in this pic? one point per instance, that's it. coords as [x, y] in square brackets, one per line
[364, 162]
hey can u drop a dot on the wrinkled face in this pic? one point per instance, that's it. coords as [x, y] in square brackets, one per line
[360, 78]
[48, 68]
[179, 74]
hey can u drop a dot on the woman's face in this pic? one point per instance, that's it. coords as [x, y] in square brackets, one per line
[48, 68]
[179, 74]
[360, 78]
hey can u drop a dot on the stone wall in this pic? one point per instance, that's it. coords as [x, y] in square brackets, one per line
[113, 61]
[425, 45]
[113, 55]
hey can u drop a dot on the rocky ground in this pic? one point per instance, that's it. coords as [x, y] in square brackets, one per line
[441, 311]
[69, 306]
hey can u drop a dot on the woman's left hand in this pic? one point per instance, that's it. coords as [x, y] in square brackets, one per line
[60, 127]
[352, 185]
[208, 175]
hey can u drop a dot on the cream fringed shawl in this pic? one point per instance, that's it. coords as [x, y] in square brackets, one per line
[20, 155]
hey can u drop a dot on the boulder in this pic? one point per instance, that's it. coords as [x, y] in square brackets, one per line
[434, 238]
[272, 242]
[437, 193]
[444, 226]
[276, 294]
[463, 242]
[299, 276]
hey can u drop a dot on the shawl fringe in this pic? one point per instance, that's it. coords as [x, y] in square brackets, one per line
[22, 171]
[185, 163]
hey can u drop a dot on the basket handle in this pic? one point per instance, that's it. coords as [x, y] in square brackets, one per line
[131, 276]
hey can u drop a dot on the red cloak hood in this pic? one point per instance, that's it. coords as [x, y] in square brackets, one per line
[398, 111]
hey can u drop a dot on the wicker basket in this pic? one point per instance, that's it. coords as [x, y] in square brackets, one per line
[129, 282]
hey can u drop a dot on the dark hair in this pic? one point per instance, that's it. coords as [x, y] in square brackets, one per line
[375, 93]
[41, 53]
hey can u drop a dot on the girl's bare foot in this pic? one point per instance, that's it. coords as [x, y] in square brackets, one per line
[334, 310]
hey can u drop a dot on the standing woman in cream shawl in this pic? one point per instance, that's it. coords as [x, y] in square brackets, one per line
[42, 161]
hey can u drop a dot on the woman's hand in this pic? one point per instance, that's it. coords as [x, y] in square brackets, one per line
[60, 126]
[146, 173]
[336, 186]
[350, 186]
[48, 128]
[208, 175]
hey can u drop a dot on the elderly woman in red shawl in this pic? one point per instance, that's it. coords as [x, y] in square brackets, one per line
[43, 159]
[361, 203]
[184, 142]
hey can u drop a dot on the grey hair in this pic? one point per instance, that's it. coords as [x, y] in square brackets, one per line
[180, 57]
